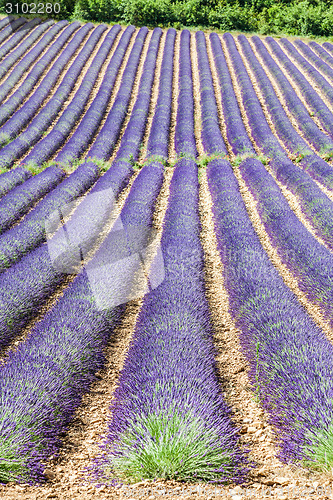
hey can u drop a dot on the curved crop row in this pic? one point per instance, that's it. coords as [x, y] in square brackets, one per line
[28, 283]
[236, 132]
[9, 30]
[328, 46]
[315, 205]
[133, 135]
[16, 203]
[211, 136]
[49, 112]
[26, 61]
[17, 37]
[321, 52]
[159, 133]
[319, 79]
[107, 137]
[28, 110]
[184, 131]
[10, 60]
[57, 136]
[315, 103]
[43, 381]
[312, 163]
[30, 233]
[310, 261]
[13, 178]
[169, 417]
[290, 358]
[313, 58]
[5, 21]
[92, 118]
[312, 133]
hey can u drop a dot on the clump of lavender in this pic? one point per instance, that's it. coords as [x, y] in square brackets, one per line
[169, 418]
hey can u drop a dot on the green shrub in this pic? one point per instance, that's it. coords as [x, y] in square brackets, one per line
[191, 12]
[233, 17]
[147, 12]
[300, 18]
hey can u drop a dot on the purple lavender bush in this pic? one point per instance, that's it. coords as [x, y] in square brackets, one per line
[24, 64]
[303, 255]
[27, 284]
[159, 133]
[211, 136]
[315, 205]
[323, 54]
[310, 161]
[17, 203]
[84, 133]
[319, 140]
[130, 142]
[310, 69]
[29, 108]
[107, 137]
[9, 30]
[43, 381]
[13, 178]
[184, 131]
[290, 357]
[62, 128]
[169, 418]
[21, 33]
[48, 114]
[236, 132]
[316, 104]
[30, 232]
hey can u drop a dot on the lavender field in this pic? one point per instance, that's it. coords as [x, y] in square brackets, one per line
[166, 265]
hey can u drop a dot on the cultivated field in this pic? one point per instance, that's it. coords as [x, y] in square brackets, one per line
[166, 266]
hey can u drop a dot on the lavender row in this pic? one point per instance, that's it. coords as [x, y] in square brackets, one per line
[23, 116]
[303, 255]
[260, 130]
[312, 133]
[310, 55]
[315, 103]
[27, 60]
[106, 139]
[30, 233]
[17, 203]
[42, 383]
[328, 46]
[29, 282]
[15, 39]
[130, 143]
[13, 178]
[310, 69]
[236, 132]
[159, 133]
[312, 163]
[5, 21]
[92, 118]
[211, 136]
[315, 205]
[184, 131]
[169, 419]
[323, 54]
[48, 114]
[290, 358]
[8, 62]
[9, 30]
[57, 136]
